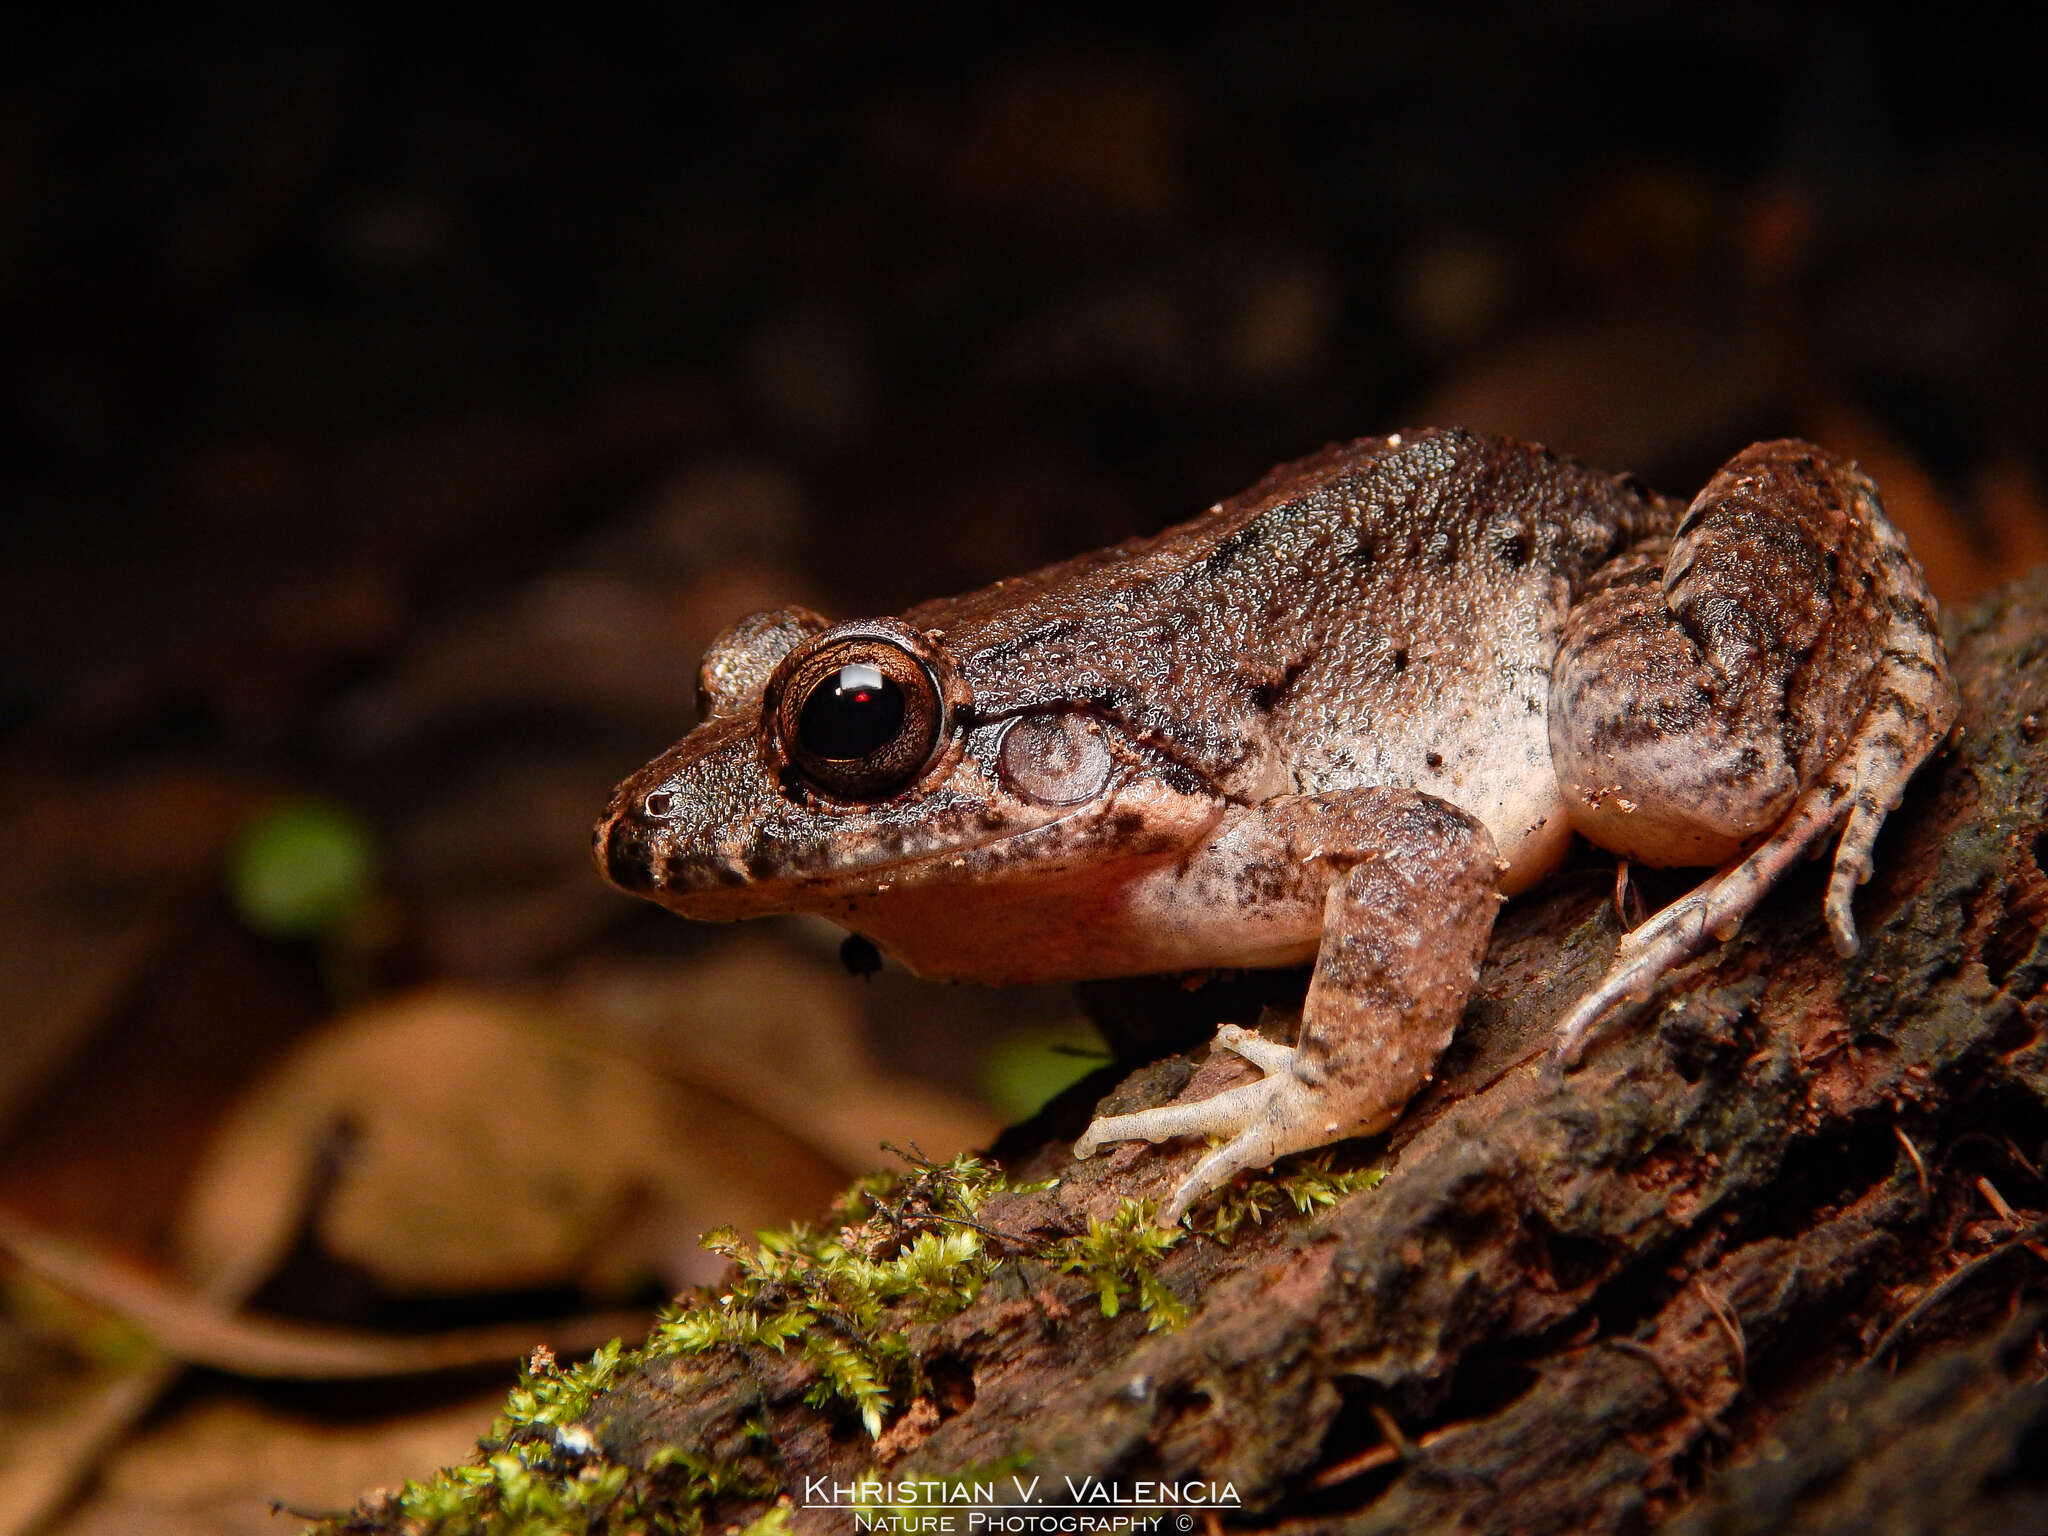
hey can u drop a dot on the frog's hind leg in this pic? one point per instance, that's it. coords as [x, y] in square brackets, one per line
[1779, 680]
[1709, 914]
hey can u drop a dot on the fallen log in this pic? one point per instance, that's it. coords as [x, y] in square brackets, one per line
[1767, 1262]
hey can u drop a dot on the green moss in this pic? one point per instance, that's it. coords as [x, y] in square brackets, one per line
[1304, 1182]
[903, 1250]
[1120, 1254]
[524, 1490]
[900, 1250]
[550, 1397]
[539, 1474]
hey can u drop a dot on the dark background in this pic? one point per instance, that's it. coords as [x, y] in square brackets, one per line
[390, 411]
[285, 292]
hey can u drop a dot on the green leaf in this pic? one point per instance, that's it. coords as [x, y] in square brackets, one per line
[1023, 1071]
[301, 868]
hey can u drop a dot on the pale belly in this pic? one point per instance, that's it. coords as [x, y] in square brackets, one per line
[1131, 919]
[1490, 757]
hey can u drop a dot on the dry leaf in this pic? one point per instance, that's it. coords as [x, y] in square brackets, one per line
[214, 1467]
[767, 1026]
[486, 1144]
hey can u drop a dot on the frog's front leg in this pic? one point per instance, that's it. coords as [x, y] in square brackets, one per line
[1400, 886]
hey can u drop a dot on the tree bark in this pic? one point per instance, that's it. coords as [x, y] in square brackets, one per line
[1747, 1270]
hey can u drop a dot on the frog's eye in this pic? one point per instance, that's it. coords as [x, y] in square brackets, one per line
[859, 718]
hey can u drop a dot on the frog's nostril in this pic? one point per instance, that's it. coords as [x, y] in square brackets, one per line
[658, 804]
[625, 858]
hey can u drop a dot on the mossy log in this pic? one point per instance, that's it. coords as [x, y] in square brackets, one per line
[1763, 1264]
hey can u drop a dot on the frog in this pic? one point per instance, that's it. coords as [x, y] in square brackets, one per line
[1337, 719]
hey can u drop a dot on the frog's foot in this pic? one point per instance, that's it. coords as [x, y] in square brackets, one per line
[1854, 795]
[1709, 914]
[1280, 1113]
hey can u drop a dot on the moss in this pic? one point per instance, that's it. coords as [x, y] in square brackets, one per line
[550, 1397]
[899, 1250]
[540, 1474]
[1121, 1253]
[1305, 1182]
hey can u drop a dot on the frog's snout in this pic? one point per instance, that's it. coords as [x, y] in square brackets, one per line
[624, 847]
[664, 845]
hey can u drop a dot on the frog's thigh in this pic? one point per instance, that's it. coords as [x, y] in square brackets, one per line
[1406, 886]
[1779, 676]
[1660, 755]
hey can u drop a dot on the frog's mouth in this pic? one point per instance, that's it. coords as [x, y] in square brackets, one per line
[822, 871]
[721, 874]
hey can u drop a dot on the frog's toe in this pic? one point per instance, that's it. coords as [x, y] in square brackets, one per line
[1266, 1055]
[1285, 1116]
[1712, 912]
[1221, 1114]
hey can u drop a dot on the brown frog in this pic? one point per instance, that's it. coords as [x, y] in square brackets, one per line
[1341, 716]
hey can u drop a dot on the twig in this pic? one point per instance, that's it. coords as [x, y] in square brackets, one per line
[1997, 1202]
[200, 1331]
[1391, 1430]
[898, 1213]
[1395, 1447]
[2021, 1158]
[1919, 1166]
[1370, 1459]
[1730, 1323]
[1941, 1292]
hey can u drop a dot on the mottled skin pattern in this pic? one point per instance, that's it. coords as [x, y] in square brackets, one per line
[1342, 715]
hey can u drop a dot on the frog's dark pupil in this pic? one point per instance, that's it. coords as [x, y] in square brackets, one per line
[852, 713]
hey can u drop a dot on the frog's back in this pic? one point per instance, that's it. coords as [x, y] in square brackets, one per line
[1383, 612]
